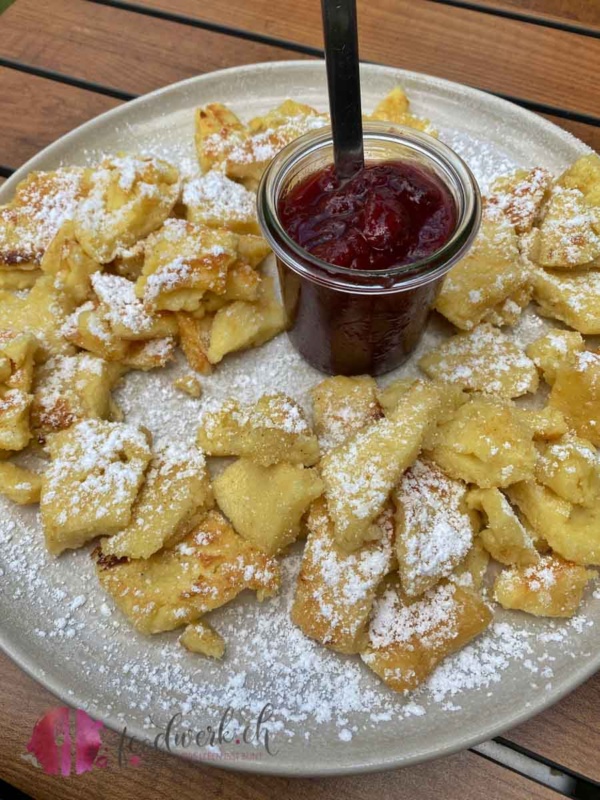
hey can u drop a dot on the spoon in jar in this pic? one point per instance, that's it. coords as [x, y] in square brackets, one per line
[343, 81]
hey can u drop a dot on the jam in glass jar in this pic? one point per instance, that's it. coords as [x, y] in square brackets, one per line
[360, 263]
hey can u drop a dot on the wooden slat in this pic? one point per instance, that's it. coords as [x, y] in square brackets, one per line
[466, 776]
[581, 12]
[568, 733]
[120, 49]
[501, 55]
[85, 40]
[37, 111]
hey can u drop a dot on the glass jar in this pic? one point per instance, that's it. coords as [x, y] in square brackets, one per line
[349, 321]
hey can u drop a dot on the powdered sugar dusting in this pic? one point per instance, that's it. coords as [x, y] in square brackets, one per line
[263, 145]
[89, 471]
[484, 360]
[44, 202]
[486, 161]
[522, 198]
[142, 682]
[276, 412]
[436, 532]
[275, 662]
[431, 619]
[213, 196]
[121, 306]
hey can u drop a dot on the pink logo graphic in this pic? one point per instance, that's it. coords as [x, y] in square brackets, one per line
[51, 742]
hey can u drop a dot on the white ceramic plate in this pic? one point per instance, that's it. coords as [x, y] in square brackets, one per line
[330, 714]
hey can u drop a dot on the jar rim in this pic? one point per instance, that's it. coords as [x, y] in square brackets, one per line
[424, 270]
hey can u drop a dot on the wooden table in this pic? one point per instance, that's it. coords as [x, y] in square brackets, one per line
[65, 61]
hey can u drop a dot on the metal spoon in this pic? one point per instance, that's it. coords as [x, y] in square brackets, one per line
[343, 80]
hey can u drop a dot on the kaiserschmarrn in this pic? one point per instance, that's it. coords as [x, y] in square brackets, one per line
[398, 494]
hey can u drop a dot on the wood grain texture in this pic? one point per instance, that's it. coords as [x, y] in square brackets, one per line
[40, 111]
[45, 110]
[120, 49]
[501, 55]
[85, 40]
[568, 733]
[582, 12]
[466, 776]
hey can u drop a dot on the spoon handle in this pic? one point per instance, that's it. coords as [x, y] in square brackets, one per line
[343, 78]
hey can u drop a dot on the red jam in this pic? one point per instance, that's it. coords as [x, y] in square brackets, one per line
[390, 214]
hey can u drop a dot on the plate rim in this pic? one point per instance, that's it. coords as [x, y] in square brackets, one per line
[365, 764]
[478, 94]
[263, 767]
